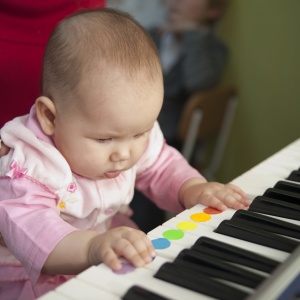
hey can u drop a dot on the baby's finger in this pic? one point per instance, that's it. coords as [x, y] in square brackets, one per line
[130, 253]
[222, 200]
[236, 189]
[143, 246]
[232, 202]
[111, 259]
[240, 200]
[212, 201]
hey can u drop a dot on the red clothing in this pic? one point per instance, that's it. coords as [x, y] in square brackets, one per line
[25, 27]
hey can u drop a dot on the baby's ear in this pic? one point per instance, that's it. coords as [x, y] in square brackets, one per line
[46, 113]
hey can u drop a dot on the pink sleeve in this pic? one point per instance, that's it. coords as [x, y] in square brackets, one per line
[29, 222]
[161, 182]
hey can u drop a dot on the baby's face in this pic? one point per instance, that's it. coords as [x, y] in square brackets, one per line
[188, 10]
[109, 133]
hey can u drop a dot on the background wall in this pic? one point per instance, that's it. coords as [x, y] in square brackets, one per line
[264, 41]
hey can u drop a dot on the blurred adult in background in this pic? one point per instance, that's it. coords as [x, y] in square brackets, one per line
[25, 27]
[193, 58]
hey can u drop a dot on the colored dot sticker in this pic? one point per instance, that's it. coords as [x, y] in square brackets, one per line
[187, 225]
[200, 217]
[211, 211]
[127, 267]
[160, 243]
[173, 234]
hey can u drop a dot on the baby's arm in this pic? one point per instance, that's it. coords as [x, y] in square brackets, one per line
[221, 196]
[82, 248]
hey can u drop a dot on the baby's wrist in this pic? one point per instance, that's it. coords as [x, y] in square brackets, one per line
[187, 185]
[92, 247]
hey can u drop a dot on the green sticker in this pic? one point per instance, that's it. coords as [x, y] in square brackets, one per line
[173, 234]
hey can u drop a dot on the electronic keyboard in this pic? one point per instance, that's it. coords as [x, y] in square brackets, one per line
[203, 253]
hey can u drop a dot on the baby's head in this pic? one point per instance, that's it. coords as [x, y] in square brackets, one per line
[102, 91]
[95, 40]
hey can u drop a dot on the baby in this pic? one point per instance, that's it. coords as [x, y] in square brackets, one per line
[75, 159]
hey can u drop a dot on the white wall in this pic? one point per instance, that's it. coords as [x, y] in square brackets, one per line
[147, 12]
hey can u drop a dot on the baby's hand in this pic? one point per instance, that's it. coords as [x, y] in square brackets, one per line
[179, 27]
[132, 244]
[213, 194]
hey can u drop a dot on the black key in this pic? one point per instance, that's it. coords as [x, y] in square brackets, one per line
[287, 186]
[234, 254]
[255, 235]
[217, 268]
[267, 223]
[139, 293]
[275, 207]
[290, 197]
[294, 176]
[197, 282]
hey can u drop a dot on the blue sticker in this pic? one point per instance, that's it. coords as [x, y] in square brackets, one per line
[161, 243]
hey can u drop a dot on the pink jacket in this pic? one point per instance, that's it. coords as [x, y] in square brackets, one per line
[41, 200]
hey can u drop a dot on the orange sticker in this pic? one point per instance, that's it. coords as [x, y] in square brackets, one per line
[211, 211]
[200, 217]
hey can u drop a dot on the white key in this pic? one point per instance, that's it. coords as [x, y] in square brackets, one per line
[104, 278]
[78, 290]
[53, 295]
[208, 232]
[207, 219]
[216, 219]
[170, 252]
[266, 174]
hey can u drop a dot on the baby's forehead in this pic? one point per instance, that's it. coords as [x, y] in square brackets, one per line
[103, 85]
[106, 74]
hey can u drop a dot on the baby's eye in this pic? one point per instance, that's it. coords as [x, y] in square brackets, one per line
[139, 135]
[104, 140]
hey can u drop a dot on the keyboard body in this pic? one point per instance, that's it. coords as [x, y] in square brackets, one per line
[182, 232]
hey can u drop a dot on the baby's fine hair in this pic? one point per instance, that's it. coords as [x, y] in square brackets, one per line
[106, 36]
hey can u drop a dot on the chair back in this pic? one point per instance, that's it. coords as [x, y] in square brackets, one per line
[208, 114]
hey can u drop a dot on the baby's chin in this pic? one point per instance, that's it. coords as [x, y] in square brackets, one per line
[109, 175]
[90, 177]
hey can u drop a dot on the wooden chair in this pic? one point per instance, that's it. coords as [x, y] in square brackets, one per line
[206, 122]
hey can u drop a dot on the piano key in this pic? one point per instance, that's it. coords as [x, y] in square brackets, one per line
[267, 173]
[256, 235]
[294, 176]
[235, 254]
[53, 295]
[139, 293]
[287, 186]
[290, 197]
[181, 276]
[208, 231]
[254, 184]
[215, 267]
[188, 240]
[169, 249]
[205, 215]
[118, 284]
[212, 217]
[78, 290]
[267, 223]
[275, 207]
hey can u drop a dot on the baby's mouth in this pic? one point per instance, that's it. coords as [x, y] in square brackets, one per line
[112, 174]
